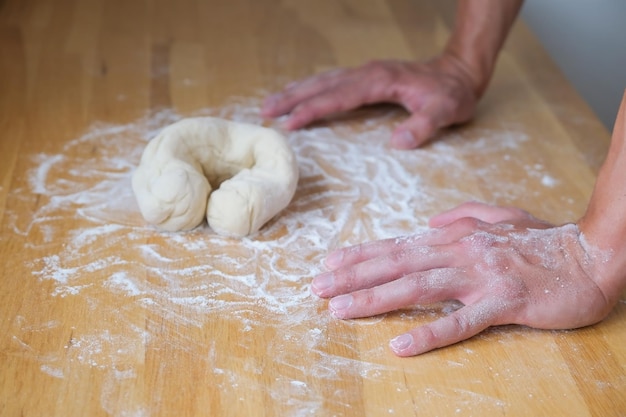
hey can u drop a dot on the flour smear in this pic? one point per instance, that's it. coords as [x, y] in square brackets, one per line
[353, 188]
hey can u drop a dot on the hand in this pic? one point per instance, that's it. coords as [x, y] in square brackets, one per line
[504, 265]
[437, 93]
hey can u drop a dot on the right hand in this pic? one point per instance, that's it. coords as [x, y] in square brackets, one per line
[504, 265]
[437, 93]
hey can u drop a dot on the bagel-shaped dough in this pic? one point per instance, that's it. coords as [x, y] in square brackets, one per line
[252, 169]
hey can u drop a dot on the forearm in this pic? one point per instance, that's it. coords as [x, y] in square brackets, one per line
[604, 223]
[480, 30]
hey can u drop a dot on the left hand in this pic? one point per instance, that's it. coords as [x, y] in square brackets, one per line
[438, 93]
[504, 265]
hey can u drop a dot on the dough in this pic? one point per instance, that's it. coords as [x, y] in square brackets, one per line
[251, 168]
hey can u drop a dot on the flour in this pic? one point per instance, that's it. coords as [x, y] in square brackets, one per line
[258, 281]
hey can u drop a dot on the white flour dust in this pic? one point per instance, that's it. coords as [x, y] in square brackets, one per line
[188, 279]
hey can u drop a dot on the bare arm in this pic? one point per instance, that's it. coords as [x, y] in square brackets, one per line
[437, 93]
[481, 27]
[604, 223]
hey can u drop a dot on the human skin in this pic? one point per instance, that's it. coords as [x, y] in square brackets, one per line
[501, 263]
[438, 93]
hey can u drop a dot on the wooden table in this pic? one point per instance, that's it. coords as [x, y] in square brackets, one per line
[103, 315]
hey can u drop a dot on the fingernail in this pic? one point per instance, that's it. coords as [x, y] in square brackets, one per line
[405, 139]
[334, 259]
[401, 342]
[340, 303]
[323, 282]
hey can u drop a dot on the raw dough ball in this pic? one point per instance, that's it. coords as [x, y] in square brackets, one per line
[252, 169]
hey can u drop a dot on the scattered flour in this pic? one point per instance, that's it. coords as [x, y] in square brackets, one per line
[261, 281]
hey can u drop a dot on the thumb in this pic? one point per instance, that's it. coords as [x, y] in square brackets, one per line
[481, 211]
[414, 131]
[484, 212]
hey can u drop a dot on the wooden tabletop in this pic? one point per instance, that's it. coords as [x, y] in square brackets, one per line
[101, 314]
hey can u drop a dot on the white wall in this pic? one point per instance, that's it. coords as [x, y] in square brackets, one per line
[587, 39]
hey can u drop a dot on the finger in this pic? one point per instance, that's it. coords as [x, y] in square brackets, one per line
[299, 91]
[460, 325]
[358, 253]
[484, 212]
[418, 128]
[351, 255]
[418, 288]
[383, 269]
[346, 96]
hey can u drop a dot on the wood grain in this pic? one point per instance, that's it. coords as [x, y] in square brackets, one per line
[103, 315]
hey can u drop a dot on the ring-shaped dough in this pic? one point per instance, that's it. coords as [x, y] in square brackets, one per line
[251, 168]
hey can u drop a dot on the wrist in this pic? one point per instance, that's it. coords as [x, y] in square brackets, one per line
[455, 63]
[605, 248]
[604, 225]
[480, 29]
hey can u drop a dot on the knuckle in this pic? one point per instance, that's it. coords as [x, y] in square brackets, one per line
[346, 278]
[427, 124]
[336, 103]
[429, 338]
[460, 324]
[397, 260]
[499, 266]
[449, 104]
[414, 283]
[421, 121]
[379, 70]
[301, 111]
[305, 112]
[354, 252]
[511, 287]
[368, 298]
[466, 225]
